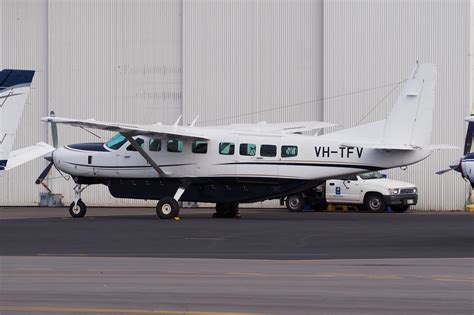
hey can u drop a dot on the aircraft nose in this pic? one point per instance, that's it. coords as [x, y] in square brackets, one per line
[49, 156]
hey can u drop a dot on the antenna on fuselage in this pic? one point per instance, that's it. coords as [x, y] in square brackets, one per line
[194, 121]
[178, 120]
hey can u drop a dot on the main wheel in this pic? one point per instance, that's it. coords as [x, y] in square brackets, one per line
[227, 210]
[167, 208]
[400, 209]
[295, 203]
[375, 203]
[77, 209]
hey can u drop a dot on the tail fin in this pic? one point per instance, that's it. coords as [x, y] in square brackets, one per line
[411, 120]
[14, 89]
[410, 123]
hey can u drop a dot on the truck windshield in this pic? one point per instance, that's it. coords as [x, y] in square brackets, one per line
[371, 175]
[116, 142]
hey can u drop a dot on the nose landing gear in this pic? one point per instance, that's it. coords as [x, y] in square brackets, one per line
[78, 208]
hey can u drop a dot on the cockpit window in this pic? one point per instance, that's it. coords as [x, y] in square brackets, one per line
[116, 142]
[140, 141]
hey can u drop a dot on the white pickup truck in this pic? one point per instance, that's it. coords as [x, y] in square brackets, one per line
[371, 192]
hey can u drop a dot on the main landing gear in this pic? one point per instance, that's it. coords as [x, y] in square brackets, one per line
[227, 210]
[78, 209]
[168, 207]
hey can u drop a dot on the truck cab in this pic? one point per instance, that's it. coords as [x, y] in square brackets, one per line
[370, 191]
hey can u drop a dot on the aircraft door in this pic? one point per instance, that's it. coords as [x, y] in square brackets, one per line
[258, 160]
[131, 161]
[343, 190]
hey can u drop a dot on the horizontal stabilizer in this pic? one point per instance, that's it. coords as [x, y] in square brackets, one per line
[27, 154]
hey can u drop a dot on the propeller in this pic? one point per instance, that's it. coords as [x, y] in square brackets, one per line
[49, 156]
[454, 166]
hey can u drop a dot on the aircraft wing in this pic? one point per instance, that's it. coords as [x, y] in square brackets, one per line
[133, 130]
[281, 128]
[27, 154]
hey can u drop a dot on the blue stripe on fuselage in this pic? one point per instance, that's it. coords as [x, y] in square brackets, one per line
[3, 164]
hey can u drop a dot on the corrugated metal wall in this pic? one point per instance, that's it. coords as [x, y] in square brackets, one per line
[24, 38]
[233, 61]
[111, 60]
[243, 59]
[375, 43]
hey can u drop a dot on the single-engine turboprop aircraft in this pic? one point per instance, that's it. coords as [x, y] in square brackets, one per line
[228, 165]
[465, 164]
[14, 89]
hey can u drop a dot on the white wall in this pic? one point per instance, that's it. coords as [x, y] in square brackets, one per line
[374, 43]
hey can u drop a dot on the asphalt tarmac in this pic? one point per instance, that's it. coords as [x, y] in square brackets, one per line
[258, 234]
[125, 261]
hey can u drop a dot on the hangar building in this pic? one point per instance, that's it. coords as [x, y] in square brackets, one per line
[236, 62]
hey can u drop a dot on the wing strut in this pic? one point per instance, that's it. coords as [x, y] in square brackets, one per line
[147, 157]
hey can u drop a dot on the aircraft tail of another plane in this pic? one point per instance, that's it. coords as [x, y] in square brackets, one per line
[14, 90]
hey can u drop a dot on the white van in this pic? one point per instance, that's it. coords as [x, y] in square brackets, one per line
[371, 191]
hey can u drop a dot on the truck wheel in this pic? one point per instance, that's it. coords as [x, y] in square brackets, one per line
[295, 203]
[400, 209]
[375, 203]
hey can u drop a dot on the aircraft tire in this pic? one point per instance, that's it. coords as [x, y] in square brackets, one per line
[295, 203]
[78, 210]
[167, 208]
[374, 203]
[227, 210]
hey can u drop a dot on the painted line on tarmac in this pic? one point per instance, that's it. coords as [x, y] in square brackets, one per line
[109, 310]
[454, 280]
[33, 269]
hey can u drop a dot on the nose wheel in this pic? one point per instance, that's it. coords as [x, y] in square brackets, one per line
[77, 208]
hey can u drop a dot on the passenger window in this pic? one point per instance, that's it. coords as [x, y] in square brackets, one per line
[175, 145]
[199, 146]
[140, 142]
[247, 149]
[155, 145]
[289, 151]
[226, 148]
[268, 150]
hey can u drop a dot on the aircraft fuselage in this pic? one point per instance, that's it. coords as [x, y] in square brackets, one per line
[229, 167]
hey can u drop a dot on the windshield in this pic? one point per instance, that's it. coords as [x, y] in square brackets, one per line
[116, 142]
[371, 175]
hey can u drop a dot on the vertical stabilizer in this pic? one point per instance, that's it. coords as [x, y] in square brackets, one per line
[411, 120]
[14, 89]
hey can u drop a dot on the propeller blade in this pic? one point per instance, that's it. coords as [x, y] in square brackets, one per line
[44, 173]
[469, 135]
[54, 130]
[443, 171]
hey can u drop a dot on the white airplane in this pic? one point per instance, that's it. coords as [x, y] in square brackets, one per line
[228, 165]
[465, 165]
[14, 89]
